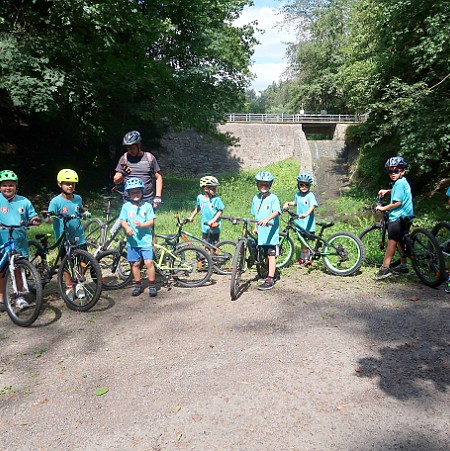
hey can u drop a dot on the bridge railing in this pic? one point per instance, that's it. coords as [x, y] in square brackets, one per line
[294, 118]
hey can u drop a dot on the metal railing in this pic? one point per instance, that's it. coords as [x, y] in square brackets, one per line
[294, 118]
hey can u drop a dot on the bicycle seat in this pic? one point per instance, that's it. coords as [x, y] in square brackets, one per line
[109, 197]
[39, 236]
[325, 225]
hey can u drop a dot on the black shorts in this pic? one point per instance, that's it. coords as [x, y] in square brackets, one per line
[211, 238]
[398, 229]
[270, 251]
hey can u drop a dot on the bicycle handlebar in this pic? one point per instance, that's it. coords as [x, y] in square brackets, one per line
[235, 220]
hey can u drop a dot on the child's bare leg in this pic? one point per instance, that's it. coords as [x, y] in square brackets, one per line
[151, 274]
[136, 271]
[272, 265]
[390, 252]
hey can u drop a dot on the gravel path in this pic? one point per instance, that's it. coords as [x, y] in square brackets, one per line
[318, 363]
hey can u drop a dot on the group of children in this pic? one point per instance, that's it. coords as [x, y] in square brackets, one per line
[137, 218]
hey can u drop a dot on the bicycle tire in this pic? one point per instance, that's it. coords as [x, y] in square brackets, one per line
[93, 233]
[116, 270]
[343, 254]
[441, 231]
[33, 296]
[375, 248]
[223, 258]
[238, 269]
[36, 256]
[85, 269]
[192, 266]
[427, 259]
[287, 248]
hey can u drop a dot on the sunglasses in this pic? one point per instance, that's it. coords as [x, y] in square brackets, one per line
[395, 171]
[304, 185]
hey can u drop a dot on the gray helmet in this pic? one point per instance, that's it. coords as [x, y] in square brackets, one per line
[304, 177]
[396, 162]
[131, 138]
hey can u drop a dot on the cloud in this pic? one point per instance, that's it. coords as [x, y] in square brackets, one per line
[269, 59]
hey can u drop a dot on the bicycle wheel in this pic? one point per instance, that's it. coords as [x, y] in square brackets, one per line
[427, 259]
[92, 232]
[286, 251]
[441, 231]
[222, 257]
[36, 256]
[343, 253]
[27, 277]
[374, 245]
[192, 266]
[238, 269]
[116, 270]
[80, 273]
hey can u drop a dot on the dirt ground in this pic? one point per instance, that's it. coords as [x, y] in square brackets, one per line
[318, 363]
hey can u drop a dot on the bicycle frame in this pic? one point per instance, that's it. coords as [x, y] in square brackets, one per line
[7, 262]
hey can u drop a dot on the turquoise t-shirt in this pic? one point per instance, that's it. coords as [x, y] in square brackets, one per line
[13, 212]
[401, 192]
[448, 192]
[68, 207]
[303, 203]
[209, 207]
[261, 209]
[142, 235]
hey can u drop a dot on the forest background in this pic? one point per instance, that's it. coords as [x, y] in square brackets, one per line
[76, 74]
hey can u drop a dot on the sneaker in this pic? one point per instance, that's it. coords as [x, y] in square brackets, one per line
[21, 303]
[267, 285]
[80, 291]
[299, 263]
[70, 293]
[383, 273]
[152, 292]
[400, 270]
[305, 264]
[137, 290]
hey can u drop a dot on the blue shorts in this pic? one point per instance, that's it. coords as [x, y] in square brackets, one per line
[134, 254]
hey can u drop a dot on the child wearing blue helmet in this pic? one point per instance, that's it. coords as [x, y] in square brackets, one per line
[306, 202]
[136, 218]
[266, 208]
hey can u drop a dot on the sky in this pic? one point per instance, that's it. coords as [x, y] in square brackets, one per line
[269, 59]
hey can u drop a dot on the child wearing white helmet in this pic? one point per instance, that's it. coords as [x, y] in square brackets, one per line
[14, 209]
[266, 208]
[137, 218]
[401, 212]
[306, 202]
[211, 207]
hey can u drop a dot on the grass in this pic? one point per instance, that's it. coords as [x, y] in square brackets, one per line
[351, 211]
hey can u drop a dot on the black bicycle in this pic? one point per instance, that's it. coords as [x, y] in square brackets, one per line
[79, 276]
[441, 231]
[419, 245]
[342, 252]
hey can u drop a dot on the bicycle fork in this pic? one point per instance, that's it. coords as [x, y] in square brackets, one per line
[12, 269]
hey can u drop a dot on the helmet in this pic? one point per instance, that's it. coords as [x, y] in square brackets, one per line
[396, 161]
[134, 182]
[8, 175]
[209, 181]
[131, 138]
[67, 175]
[304, 177]
[264, 176]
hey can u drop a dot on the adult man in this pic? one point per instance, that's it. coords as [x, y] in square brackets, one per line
[137, 163]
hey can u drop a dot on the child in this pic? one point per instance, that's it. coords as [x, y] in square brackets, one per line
[137, 219]
[306, 202]
[448, 194]
[15, 209]
[400, 215]
[68, 203]
[265, 208]
[211, 206]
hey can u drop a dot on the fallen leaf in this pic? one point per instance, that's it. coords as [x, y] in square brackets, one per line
[414, 298]
[179, 435]
[176, 409]
[101, 391]
[358, 370]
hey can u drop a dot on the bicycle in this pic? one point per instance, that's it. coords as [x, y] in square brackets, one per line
[20, 279]
[342, 252]
[221, 254]
[420, 246]
[82, 267]
[441, 231]
[246, 255]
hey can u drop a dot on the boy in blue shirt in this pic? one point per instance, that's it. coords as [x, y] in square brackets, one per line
[306, 202]
[15, 209]
[68, 203]
[137, 219]
[265, 208]
[401, 213]
[211, 207]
